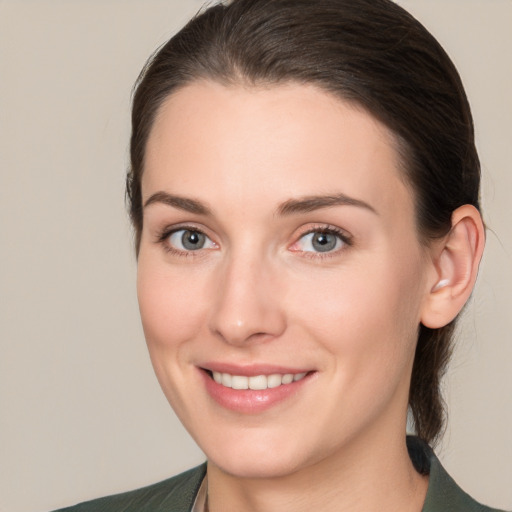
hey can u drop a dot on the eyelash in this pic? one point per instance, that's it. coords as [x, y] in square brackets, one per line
[345, 238]
[163, 236]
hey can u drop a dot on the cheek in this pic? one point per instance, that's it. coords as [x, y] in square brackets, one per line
[172, 308]
[366, 315]
[171, 303]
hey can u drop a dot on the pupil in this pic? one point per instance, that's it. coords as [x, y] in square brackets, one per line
[324, 242]
[192, 240]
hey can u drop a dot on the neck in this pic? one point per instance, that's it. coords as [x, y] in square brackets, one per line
[358, 478]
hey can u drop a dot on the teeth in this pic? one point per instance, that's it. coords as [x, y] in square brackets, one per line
[274, 380]
[226, 379]
[256, 382]
[239, 382]
[287, 378]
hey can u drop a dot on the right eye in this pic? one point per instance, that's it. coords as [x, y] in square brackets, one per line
[320, 242]
[185, 240]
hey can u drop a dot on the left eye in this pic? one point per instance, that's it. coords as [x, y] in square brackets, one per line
[319, 241]
[190, 240]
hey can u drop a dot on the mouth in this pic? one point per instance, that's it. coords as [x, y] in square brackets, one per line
[256, 382]
[258, 390]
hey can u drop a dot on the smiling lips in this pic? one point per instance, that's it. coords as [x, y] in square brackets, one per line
[264, 388]
[257, 382]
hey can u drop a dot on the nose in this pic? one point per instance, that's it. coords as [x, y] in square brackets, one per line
[247, 306]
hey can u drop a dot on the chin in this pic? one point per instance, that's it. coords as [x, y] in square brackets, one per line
[247, 455]
[271, 466]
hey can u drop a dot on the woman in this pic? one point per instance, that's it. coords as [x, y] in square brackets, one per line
[304, 191]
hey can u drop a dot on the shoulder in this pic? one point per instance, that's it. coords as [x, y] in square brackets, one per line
[443, 493]
[175, 494]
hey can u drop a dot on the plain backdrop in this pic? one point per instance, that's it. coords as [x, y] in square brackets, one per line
[81, 414]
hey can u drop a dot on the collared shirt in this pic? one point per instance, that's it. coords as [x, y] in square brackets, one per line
[200, 501]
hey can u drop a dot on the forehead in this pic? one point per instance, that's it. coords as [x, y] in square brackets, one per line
[290, 137]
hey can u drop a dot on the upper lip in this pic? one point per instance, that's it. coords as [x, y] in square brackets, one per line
[251, 370]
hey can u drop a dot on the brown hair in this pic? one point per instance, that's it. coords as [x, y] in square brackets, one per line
[370, 52]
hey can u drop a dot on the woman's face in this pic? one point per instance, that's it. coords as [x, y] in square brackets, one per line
[279, 244]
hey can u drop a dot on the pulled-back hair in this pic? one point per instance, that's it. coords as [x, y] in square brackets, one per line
[368, 52]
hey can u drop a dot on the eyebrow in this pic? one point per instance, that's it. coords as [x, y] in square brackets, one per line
[311, 203]
[292, 206]
[182, 203]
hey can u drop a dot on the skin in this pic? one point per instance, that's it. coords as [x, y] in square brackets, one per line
[258, 292]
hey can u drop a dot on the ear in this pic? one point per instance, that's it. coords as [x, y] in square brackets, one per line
[455, 266]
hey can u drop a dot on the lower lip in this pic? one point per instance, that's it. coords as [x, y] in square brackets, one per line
[251, 401]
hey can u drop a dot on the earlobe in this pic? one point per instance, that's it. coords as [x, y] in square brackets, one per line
[455, 263]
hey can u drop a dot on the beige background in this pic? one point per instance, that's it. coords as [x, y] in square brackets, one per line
[81, 413]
